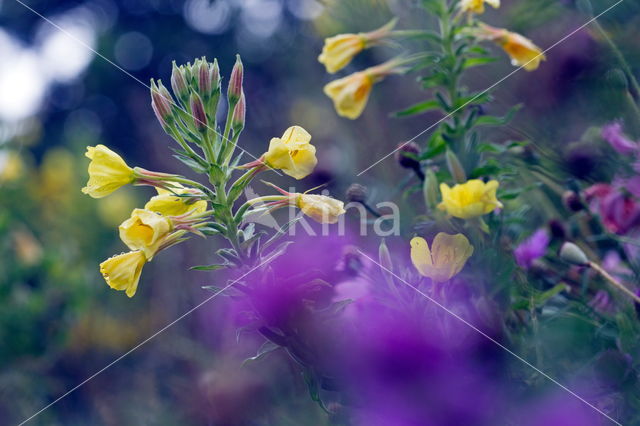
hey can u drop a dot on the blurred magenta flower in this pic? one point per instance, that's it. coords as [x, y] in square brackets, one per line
[614, 134]
[532, 249]
[619, 211]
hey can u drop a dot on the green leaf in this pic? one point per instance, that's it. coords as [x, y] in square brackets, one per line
[492, 148]
[474, 62]
[435, 80]
[489, 120]
[195, 165]
[209, 267]
[436, 146]
[542, 298]
[473, 99]
[488, 169]
[418, 108]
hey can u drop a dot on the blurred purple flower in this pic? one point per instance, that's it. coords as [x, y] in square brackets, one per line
[601, 302]
[633, 186]
[532, 248]
[613, 134]
[619, 211]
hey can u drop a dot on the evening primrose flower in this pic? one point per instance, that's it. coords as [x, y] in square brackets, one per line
[477, 6]
[293, 154]
[320, 208]
[521, 50]
[351, 93]
[339, 51]
[445, 259]
[122, 272]
[471, 199]
[169, 203]
[107, 172]
[145, 231]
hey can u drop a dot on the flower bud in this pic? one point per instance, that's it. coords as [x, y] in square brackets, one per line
[179, 83]
[455, 167]
[384, 257]
[161, 103]
[557, 229]
[573, 254]
[430, 189]
[239, 112]
[197, 111]
[357, 193]
[204, 81]
[235, 82]
[214, 75]
[406, 155]
[572, 201]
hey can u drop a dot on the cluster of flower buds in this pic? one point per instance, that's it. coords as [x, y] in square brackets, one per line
[191, 118]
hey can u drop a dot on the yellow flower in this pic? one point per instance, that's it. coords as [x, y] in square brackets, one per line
[338, 51]
[122, 272]
[293, 154]
[145, 231]
[444, 260]
[477, 6]
[107, 172]
[168, 204]
[522, 51]
[470, 199]
[320, 208]
[12, 166]
[350, 94]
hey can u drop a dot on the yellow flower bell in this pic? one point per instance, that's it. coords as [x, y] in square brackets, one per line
[471, 199]
[320, 208]
[477, 6]
[293, 154]
[522, 51]
[145, 231]
[351, 93]
[445, 259]
[107, 172]
[339, 50]
[167, 203]
[122, 272]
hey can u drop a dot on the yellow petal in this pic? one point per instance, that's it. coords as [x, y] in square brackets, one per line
[122, 272]
[421, 255]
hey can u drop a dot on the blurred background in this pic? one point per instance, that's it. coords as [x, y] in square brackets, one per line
[60, 323]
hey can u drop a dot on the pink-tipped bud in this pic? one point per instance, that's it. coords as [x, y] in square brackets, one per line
[179, 82]
[235, 82]
[214, 76]
[204, 83]
[239, 112]
[161, 103]
[197, 110]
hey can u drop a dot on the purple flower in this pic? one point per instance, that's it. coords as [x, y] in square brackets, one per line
[613, 134]
[532, 249]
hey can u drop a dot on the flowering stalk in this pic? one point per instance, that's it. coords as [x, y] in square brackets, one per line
[185, 206]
